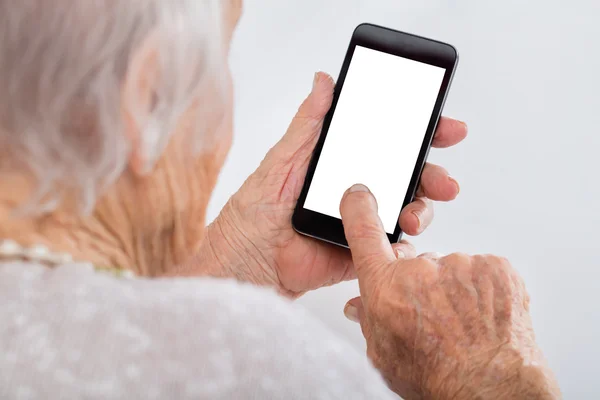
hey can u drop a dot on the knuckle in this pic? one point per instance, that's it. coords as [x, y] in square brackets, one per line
[502, 262]
[490, 262]
[452, 263]
[503, 271]
[456, 265]
[363, 229]
[426, 266]
[502, 265]
[456, 259]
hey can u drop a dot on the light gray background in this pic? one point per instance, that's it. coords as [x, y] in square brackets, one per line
[527, 84]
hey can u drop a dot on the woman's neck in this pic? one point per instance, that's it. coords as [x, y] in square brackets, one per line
[87, 239]
[145, 226]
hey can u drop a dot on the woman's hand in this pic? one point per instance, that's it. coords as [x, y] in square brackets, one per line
[456, 327]
[253, 239]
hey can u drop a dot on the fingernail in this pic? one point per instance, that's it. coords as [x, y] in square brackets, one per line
[315, 80]
[419, 222]
[358, 188]
[465, 125]
[351, 313]
[400, 254]
[455, 183]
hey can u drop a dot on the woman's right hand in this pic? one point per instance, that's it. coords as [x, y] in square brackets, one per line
[456, 327]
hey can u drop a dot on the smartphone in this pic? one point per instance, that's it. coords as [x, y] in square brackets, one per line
[386, 107]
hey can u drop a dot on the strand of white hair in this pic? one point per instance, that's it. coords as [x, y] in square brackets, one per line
[63, 65]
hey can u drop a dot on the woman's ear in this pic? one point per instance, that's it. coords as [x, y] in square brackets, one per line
[234, 13]
[138, 101]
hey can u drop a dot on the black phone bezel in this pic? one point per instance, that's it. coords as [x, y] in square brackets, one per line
[330, 229]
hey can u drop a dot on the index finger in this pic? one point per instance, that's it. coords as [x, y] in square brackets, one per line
[368, 242]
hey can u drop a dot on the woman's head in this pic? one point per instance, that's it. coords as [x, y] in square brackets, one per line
[91, 89]
[114, 99]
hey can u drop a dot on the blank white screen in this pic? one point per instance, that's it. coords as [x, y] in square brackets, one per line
[376, 132]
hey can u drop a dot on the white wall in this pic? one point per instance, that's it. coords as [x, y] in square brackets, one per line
[528, 85]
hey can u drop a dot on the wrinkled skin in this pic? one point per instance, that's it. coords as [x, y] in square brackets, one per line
[253, 239]
[455, 327]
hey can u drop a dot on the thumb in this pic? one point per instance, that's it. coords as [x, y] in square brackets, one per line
[306, 125]
[368, 242]
[355, 312]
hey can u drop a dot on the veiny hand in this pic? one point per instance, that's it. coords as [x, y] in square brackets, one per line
[456, 327]
[253, 238]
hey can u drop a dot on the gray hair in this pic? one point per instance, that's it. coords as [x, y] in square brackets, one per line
[63, 67]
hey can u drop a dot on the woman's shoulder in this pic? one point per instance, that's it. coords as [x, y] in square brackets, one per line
[182, 338]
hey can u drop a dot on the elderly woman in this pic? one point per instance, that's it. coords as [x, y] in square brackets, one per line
[115, 119]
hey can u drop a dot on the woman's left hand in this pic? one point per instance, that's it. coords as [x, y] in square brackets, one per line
[253, 239]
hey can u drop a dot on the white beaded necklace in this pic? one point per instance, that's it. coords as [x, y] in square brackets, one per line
[11, 250]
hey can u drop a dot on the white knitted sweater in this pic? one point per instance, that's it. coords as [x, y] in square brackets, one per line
[72, 333]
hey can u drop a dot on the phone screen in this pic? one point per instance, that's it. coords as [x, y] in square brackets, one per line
[376, 132]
